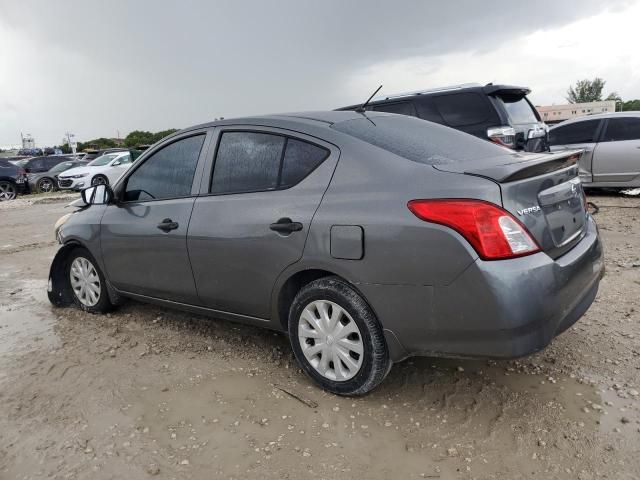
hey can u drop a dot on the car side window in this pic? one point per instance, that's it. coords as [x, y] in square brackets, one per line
[621, 129]
[167, 173]
[125, 159]
[256, 161]
[463, 108]
[401, 108]
[37, 164]
[300, 159]
[574, 133]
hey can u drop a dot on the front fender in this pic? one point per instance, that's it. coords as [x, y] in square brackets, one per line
[58, 291]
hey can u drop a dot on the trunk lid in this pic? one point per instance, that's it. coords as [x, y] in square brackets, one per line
[543, 191]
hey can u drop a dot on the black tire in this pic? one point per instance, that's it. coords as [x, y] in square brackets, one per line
[375, 363]
[46, 185]
[99, 180]
[103, 303]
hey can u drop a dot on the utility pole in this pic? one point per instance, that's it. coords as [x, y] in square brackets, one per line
[72, 145]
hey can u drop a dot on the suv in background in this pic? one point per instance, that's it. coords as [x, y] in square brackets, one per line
[499, 113]
[611, 147]
[41, 164]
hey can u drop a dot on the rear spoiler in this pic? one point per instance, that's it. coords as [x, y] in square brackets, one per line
[510, 90]
[530, 165]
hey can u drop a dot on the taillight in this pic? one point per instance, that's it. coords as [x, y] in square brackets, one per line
[505, 136]
[492, 231]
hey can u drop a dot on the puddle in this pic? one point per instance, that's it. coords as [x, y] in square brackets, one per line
[26, 320]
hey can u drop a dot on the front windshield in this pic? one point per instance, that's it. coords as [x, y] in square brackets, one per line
[61, 167]
[103, 160]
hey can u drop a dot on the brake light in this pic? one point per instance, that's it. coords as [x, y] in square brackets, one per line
[505, 136]
[492, 231]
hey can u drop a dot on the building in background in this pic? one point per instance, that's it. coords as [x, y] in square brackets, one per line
[551, 114]
[28, 141]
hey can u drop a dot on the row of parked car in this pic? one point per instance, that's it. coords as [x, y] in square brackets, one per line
[43, 174]
[501, 114]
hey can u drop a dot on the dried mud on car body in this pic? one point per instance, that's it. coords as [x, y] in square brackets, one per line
[150, 392]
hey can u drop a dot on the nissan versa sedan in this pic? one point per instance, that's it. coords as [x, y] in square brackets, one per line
[369, 238]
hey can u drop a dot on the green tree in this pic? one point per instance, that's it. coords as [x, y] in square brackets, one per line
[138, 137]
[586, 91]
[164, 133]
[614, 96]
[631, 105]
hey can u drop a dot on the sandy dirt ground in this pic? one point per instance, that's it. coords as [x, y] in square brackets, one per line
[146, 392]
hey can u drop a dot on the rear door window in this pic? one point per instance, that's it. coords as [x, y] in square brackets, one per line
[574, 133]
[621, 129]
[401, 108]
[255, 161]
[300, 159]
[462, 109]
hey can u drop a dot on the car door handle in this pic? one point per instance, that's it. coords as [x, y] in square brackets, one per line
[167, 225]
[286, 226]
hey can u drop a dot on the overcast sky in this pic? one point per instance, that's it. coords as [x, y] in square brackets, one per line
[96, 67]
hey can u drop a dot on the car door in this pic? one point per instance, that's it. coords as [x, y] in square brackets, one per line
[254, 215]
[143, 235]
[618, 155]
[578, 135]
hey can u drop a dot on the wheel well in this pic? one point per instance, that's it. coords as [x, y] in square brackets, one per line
[291, 288]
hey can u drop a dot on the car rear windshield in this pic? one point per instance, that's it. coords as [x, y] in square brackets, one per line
[519, 109]
[419, 140]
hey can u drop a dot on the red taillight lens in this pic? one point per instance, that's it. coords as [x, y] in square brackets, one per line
[493, 232]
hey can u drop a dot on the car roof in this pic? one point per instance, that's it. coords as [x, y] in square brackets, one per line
[598, 116]
[322, 118]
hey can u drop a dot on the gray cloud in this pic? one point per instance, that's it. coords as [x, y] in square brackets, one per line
[95, 67]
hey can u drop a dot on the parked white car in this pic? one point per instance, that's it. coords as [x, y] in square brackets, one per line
[104, 170]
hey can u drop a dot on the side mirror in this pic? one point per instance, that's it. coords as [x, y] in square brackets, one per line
[98, 195]
[116, 163]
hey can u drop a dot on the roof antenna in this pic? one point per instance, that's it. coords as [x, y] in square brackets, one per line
[361, 108]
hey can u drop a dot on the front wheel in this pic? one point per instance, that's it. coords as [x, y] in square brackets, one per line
[99, 180]
[87, 283]
[45, 185]
[337, 339]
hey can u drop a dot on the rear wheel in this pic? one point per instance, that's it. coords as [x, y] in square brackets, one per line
[8, 190]
[337, 339]
[87, 283]
[99, 180]
[45, 185]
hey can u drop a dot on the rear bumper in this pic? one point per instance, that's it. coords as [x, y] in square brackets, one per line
[499, 309]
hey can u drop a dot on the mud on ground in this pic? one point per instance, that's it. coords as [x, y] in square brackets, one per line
[147, 392]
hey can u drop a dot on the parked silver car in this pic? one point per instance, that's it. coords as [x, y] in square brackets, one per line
[611, 143]
[369, 238]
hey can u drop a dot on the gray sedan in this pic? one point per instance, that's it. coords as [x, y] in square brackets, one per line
[611, 144]
[45, 182]
[369, 238]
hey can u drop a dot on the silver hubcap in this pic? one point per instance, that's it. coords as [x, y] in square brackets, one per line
[85, 281]
[7, 191]
[330, 340]
[46, 185]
